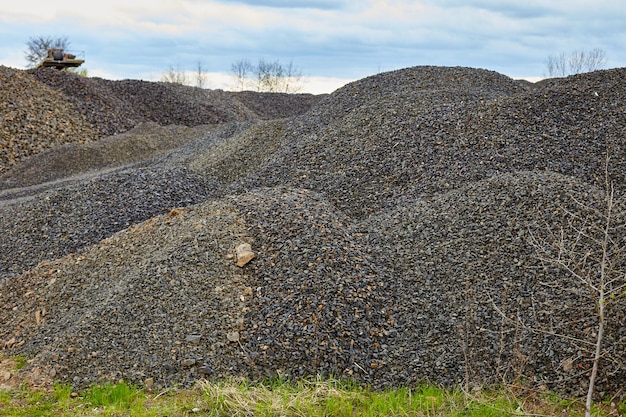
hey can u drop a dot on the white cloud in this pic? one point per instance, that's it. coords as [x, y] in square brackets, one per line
[346, 39]
[322, 85]
[9, 58]
[291, 4]
[225, 81]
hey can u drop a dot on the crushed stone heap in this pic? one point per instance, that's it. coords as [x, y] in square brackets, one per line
[397, 227]
[44, 108]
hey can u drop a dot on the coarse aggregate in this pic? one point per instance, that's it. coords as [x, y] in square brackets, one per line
[70, 160]
[44, 108]
[438, 128]
[83, 213]
[473, 294]
[398, 226]
[34, 117]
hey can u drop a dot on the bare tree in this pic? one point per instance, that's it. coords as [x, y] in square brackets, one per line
[174, 75]
[291, 81]
[575, 62]
[201, 76]
[241, 71]
[269, 76]
[591, 249]
[37, 48]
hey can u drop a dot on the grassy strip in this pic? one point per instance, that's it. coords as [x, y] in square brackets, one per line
[281, 398]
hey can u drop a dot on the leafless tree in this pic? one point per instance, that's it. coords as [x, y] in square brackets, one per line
[293, 76]
[241, 71]
[591, 249]
[37, 48]
[174, 76]
[270, 76]
[575, 62]
[201, 76]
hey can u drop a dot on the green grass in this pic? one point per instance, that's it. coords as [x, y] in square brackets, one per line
[120, 396]
[315, 397]
[20, 361]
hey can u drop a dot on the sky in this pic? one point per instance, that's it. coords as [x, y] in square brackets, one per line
[330, 42]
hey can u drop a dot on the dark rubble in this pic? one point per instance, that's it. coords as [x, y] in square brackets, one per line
[395, 224]
[442, 130]
[44, 108]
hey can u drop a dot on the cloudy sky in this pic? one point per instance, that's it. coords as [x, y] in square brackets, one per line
[332, 42]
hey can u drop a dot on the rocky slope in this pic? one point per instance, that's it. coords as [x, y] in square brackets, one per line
[398, 225]
[45, 108]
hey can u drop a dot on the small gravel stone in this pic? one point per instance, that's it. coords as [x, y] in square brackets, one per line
[232, 336]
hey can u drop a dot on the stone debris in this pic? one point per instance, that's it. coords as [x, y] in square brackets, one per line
[395, 220]
[244, 254]
[60, 107]
[232, 336]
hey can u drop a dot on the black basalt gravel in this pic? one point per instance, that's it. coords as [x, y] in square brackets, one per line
[439, 128]
[320, 305]
[44, 108]
[397, 226]
[34, 117]
[475, 302]
[60, 221]
[154, 301]
[143, 142]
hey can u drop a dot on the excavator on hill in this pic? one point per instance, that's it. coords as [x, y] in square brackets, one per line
[59, 59]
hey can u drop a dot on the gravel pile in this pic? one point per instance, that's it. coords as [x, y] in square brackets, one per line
[163, 300]
[45, 108]
[34, 117]
[395, 226]
[107, 112]
[440, 128]
[156, 300]
[146, 141]
[473, 299]
[59, 221]
[277, 105]
[320, 305]
[115, 106]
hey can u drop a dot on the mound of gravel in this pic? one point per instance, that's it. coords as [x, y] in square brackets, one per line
[320, 305]
[438, 129]
[277, 105]
[163, 300]
[34, 117]
[483, 83]
[474, 302]
[396, 226]
[116, 106]
[57, 222]
[107, 112]
[141, 143]
[156, 300]
[447, 288]
[241, 153]
[44, 108]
